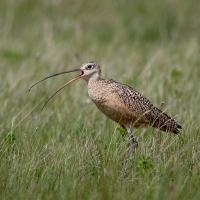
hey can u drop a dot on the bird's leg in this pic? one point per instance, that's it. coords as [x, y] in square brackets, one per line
[133, 141]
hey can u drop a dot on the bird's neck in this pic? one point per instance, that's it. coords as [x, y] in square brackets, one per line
[93, 78]
[95, 89]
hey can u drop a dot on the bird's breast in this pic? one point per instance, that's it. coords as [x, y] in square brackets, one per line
[97, 91]
[109, 102]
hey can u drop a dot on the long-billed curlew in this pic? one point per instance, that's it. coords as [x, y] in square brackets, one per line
[120, 102]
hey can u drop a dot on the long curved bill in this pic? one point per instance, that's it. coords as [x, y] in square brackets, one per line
[59, 90]
[50, 76]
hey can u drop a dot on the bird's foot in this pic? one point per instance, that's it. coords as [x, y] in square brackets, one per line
[133, 145]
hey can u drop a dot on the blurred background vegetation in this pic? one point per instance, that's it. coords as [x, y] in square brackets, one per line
[70, 150]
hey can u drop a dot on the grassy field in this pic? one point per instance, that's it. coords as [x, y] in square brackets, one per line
[72, 151]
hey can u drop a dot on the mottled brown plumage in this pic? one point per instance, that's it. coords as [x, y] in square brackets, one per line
[128, 107]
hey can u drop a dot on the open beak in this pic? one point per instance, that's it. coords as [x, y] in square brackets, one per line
[59, 90]
[57, 74]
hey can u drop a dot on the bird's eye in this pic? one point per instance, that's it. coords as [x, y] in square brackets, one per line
[90, 67]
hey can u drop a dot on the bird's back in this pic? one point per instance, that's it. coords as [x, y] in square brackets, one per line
[136, 102]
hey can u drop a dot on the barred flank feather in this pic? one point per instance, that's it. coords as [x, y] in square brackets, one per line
[164, 122]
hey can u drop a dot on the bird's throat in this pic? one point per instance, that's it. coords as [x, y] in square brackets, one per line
[93, 77]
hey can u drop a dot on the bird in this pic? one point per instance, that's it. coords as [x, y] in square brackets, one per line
[119, 102]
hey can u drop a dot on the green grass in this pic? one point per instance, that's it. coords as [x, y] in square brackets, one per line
[70, 150]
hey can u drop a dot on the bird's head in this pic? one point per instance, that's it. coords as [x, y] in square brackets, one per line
[90, 70]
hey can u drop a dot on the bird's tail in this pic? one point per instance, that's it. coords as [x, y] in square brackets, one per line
[164, 122]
